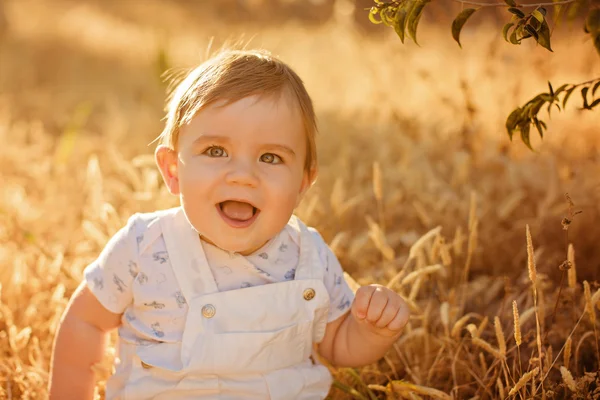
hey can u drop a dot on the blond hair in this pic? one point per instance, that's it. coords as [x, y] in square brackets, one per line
[232, 75]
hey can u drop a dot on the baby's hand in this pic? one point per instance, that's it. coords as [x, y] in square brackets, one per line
[380, 309]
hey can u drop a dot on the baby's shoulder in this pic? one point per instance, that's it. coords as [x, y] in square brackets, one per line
[146, 228]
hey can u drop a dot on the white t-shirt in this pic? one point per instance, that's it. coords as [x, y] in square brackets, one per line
[138, 252]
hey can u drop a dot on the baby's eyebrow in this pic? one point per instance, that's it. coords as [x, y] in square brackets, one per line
[282, 148]
[211, 138]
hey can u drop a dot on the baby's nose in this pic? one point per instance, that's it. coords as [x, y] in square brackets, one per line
[242, 173]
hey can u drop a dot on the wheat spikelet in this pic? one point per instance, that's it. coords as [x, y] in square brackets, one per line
[487, 347]
[500, 336]
[596, 299]
[530, 260]
[572, 271]
[500, 388]
[414, 290]
[472, 330]
[445, 255]
[589, 306]
[455, 332]
[523, 381]
[377, 181]
[568, 379]
[418, 245]
[482, 325]
[444, 316]
[457, 242]
[422, 272]
[516, 324]
[567, 353]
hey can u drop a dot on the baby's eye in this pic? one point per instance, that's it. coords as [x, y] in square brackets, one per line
[215, 151]
[271, 158]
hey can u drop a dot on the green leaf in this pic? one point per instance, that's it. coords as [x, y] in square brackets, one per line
[544, 36]
[517, 12]
[532, 31]
[560, 89]
[513, 37]
[511, 122]
[506, 29]
[414, 17]
[537, 14]
[584, 96]
[525, 134]
[538, 125]
[400, 19]
[596, 86]
[372, 13]
[567, 95]
[459, 22]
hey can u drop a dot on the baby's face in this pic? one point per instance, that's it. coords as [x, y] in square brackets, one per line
[240, 170]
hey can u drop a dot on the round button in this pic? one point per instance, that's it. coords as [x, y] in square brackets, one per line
[309, 294]
[209, 311]
[146, 366]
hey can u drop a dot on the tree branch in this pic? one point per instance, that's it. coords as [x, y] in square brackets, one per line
[474, 3]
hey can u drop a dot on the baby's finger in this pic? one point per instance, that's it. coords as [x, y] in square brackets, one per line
[388, 314]
[401, 317]
[379, 300]
[361, 302]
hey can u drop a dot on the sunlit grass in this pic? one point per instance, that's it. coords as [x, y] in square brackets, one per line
[419, 187]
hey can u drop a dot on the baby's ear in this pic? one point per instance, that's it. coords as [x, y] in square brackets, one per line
[166, 160]
[309, 179]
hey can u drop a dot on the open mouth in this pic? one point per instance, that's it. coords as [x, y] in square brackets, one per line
[238, 213]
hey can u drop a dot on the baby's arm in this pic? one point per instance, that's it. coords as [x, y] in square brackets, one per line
[79, 344]
[363, 335]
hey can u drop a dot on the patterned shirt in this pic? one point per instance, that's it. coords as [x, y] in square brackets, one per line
[135, 265]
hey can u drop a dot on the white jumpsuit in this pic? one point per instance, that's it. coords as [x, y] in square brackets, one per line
[253, 343]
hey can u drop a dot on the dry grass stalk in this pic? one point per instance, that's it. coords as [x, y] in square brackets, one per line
[567, 352]
[517, 326]
[589, 305]
[482, 363]
[568, 379]
[402, 386]
[500, 387]
[523, 381]
[500, 336]
[377, 182]
[572, 271]
[487, 347]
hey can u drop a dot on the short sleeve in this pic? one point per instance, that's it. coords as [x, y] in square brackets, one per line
[111, 275]
[341, 294]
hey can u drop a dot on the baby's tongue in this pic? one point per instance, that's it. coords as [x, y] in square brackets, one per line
[237, 210]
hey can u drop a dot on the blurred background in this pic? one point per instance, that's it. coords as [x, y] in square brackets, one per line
[411, 138]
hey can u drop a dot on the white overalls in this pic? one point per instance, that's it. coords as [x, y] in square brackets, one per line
[253, 343]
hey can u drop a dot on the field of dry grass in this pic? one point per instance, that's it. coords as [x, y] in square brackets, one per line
[419, 187]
